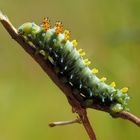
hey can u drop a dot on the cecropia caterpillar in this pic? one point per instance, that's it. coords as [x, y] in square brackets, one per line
[69, 63]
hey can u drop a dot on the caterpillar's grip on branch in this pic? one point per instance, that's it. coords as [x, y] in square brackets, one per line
[70, 65]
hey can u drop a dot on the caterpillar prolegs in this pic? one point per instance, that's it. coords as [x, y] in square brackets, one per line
[69, 63]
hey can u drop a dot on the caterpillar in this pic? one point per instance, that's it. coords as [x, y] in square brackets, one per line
[70, 65]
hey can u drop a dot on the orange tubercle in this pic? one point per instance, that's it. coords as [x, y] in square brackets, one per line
[58, 27]
[46, 24]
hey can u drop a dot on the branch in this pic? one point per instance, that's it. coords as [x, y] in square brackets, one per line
[129, 116]
[47, 67]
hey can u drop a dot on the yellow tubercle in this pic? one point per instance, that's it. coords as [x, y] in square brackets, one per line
[46, 24]
[85, 60]
[113, 84]
[67, 35]
[82, 54]
[88, 63]
[94, 70]
[103, 79]
[80, 50]
[66, 32]
[58, 27]
[124, 90]
[74, 42]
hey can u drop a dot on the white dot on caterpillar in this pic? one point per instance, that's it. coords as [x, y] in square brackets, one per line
[71, 83]
[62, 60]
[66, 67]
[42, 52]
[80, 86]
[29, 35]
[103, 99]
[71, 76]
[54, 40]
[43, 34]
[111, 97]
[40, 42]
[82, 95]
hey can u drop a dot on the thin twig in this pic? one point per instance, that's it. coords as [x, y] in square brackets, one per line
[47, 67]
[52, 124]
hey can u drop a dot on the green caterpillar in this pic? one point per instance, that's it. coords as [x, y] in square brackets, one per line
[68, 62]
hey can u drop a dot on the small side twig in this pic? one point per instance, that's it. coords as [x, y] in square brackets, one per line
[52, 124]
[47, 67]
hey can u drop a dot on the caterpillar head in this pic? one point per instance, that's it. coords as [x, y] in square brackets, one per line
[28, 29]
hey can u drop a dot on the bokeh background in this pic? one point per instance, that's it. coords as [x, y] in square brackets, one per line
[108, 30]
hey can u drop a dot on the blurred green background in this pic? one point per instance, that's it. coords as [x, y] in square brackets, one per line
[108, 30]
